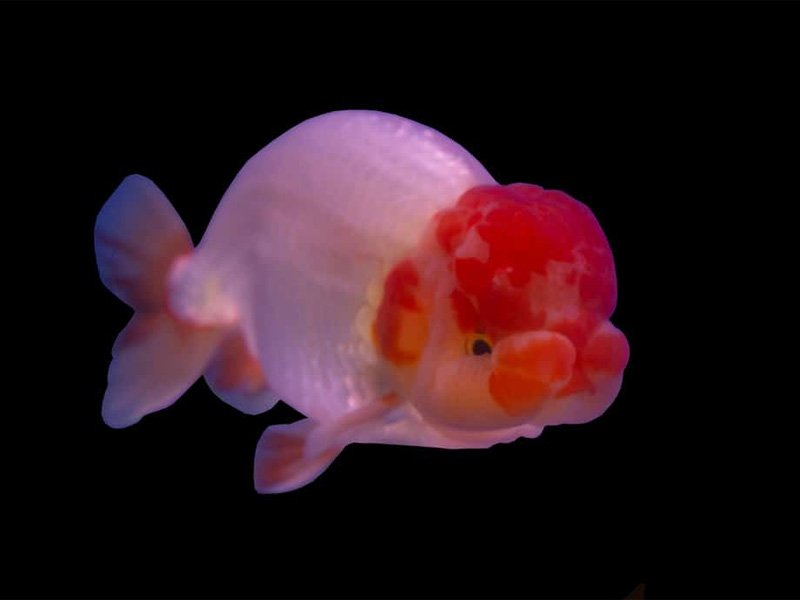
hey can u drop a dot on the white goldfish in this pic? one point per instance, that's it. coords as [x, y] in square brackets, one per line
[368, 271]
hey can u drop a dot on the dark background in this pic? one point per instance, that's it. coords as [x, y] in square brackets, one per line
[673, 122]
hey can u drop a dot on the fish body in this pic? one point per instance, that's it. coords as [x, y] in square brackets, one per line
[368, 271]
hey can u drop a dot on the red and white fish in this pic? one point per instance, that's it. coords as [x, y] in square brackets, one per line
[368, 271]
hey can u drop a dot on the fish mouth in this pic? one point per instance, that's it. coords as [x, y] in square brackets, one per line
[606, 352]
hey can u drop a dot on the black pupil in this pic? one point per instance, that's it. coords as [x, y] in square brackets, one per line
[481, 347]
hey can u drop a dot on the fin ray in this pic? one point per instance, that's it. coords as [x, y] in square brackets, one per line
[137, 236]
[156, 358]
[283, 461]
[235, 375]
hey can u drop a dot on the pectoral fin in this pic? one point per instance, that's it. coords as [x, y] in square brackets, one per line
[290, 456]
[285, 460]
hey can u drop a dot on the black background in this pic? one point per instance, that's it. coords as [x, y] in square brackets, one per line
[672, 122]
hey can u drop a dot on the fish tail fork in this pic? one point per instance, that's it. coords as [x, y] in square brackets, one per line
[138, 240]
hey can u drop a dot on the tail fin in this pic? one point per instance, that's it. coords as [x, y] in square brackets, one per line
[138, 236]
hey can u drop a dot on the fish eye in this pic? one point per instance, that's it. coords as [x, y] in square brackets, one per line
[478, 344]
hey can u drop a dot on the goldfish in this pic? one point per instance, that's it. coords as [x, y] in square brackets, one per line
[368, 271]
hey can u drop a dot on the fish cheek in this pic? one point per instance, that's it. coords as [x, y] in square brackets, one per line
[459, 397]
[529, 368]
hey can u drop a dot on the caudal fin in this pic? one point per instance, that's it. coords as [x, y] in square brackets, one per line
[138, 236]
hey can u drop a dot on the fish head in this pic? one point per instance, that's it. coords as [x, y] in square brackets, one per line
[502, 316]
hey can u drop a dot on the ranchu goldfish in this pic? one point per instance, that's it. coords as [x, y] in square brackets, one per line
[369, 272]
